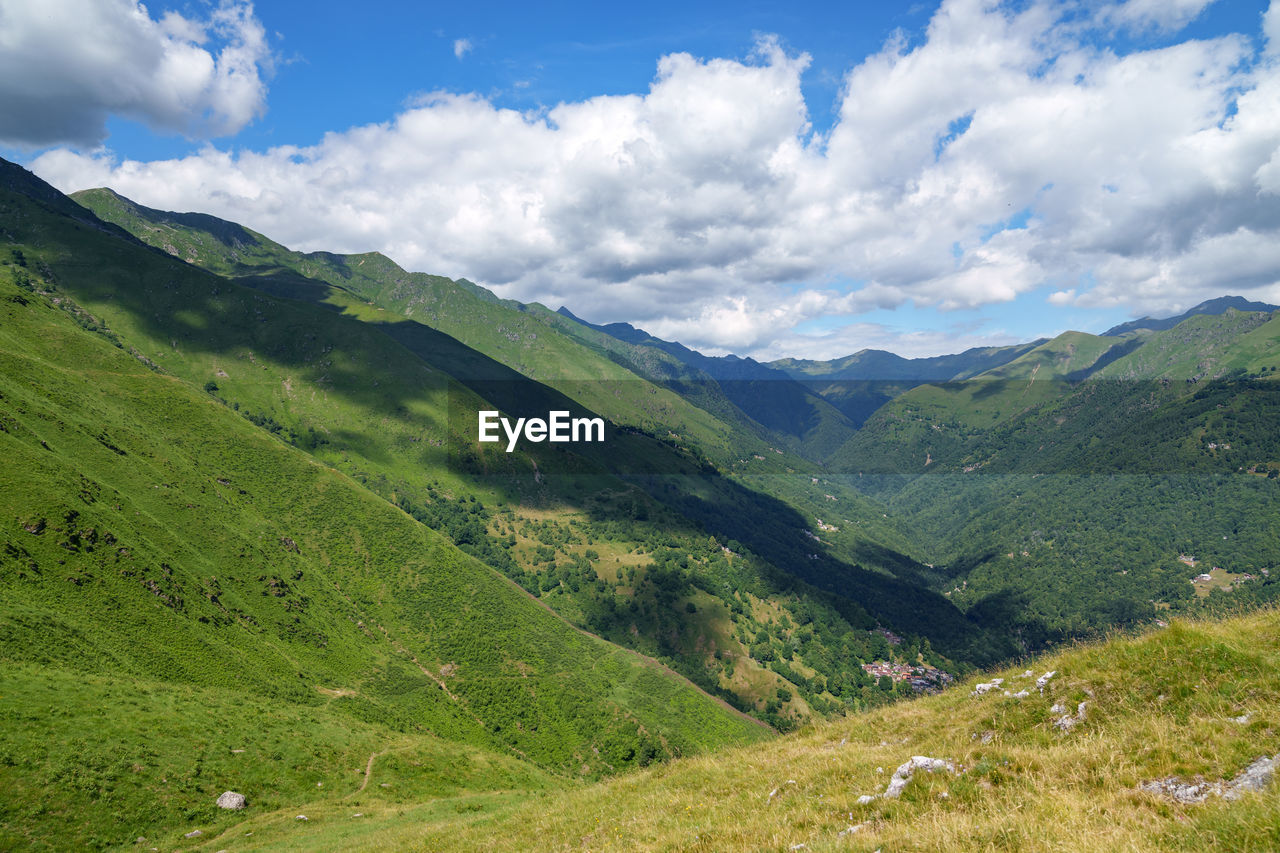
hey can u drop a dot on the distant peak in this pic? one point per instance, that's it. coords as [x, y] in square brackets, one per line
[1220, 305]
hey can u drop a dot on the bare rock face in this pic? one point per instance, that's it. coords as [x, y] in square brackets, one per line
[1256, 777]
[231, 800]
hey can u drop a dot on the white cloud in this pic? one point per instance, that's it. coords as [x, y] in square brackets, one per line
[1271, 27]
[1006, 153]
[461, 47]
[66, 65]
[1158, 15]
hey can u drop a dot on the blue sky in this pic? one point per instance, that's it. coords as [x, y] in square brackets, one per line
[761, 178]
[339, 70]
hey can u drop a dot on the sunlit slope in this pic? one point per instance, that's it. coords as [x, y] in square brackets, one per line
[1072, 513]
[154, 532]
[1054, 770]
[587, 366]
[1205, 346]
[1058, 391]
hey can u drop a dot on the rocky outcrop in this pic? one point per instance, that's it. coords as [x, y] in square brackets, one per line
[903, 775]
[1256, 777]
[1067, 722]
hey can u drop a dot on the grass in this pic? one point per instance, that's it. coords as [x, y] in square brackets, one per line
[1164, 704]
[97, 761]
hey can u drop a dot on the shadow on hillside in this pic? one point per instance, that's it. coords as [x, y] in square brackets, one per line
[282, 318]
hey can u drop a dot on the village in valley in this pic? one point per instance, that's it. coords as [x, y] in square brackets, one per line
[920, 677]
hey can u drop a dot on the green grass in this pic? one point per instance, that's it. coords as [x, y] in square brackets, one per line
[238, 546]
[97, 761]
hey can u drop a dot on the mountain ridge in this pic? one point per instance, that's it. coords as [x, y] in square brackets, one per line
[1219, 305]
[248, 476]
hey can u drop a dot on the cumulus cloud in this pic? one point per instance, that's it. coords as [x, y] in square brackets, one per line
[1009, 150]
[461, 47]
[66, 65]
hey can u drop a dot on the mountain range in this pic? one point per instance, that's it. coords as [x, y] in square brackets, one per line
[251, 539]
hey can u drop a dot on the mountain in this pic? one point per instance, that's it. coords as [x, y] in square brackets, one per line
[1056, 387]
[878, 365]
[861, 383]
[250, 518]
[1212, 307]
[989, 423]
[724, 518]
[164, 547]
[1061, 504]
[1086, 747]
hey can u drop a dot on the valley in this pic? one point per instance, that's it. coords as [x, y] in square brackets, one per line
[251, 542]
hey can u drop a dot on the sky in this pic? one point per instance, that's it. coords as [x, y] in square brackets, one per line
[766, 179]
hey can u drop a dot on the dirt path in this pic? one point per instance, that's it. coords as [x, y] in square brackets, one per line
[368, 773]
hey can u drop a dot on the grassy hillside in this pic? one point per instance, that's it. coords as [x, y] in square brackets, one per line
[1196, 701]
[1205, 346]
[155, 534]
[502, 330]
[1077, 391]
[935, 425]
[96, 761]
[153, 531]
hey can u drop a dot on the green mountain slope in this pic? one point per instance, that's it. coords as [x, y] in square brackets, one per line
[97, 761]
[1213, 306]
[502, 330]
[1061, 506]
[937, 422]
[155, 534]
[1205, 346]
[878, 365]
